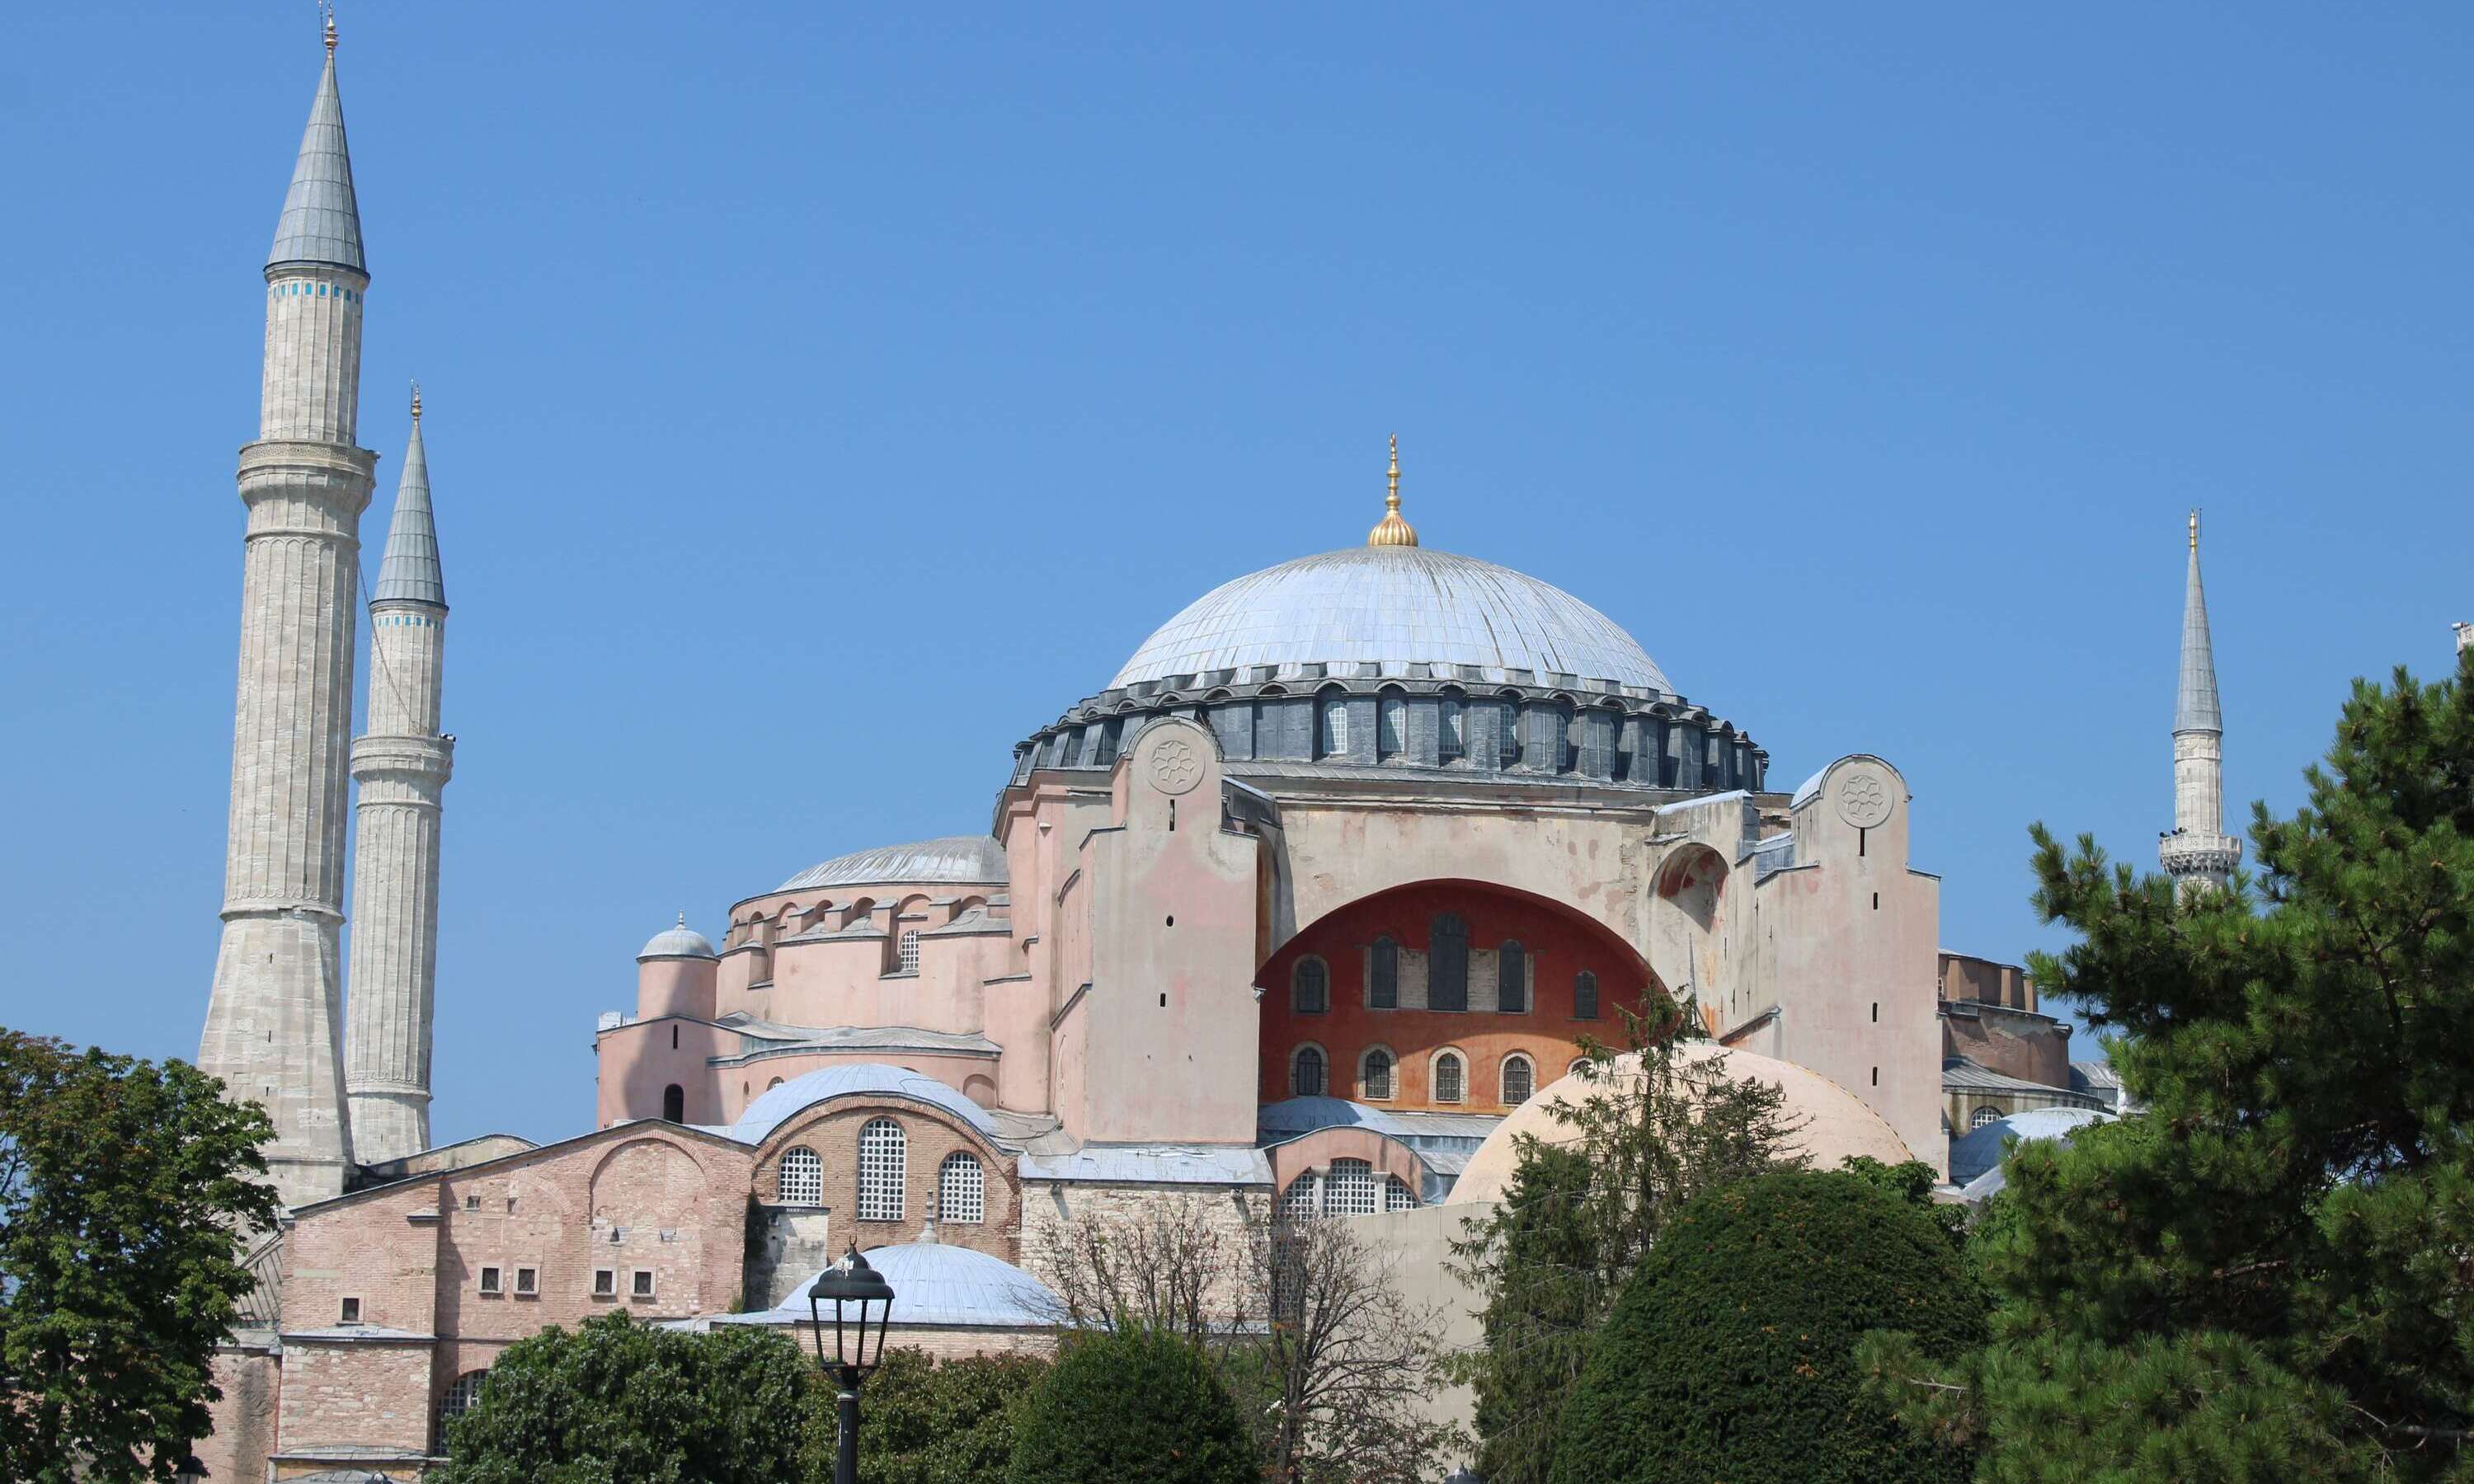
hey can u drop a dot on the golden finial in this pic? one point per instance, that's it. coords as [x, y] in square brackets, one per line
[416, 401]
[2195, 529]
[1392, 529]
[329, 7]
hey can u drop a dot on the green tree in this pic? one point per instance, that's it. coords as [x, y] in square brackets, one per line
[932, 1422]
[123, 1184]
[1657, 1126]
[1135, 1405]
[1730, 1352]
[2266, 1275]
[616, 1401]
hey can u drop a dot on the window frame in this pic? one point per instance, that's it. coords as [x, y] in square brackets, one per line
[978, 1196]
[349, 1310]
[641, 1283]
[1503, 1078]
[605, 1282]
[811, 1177]
[873, 1201]
[1585, 1009]
[1506, 989]
[492, 1279]
[1322, 1070]
[1459, 1061]
[1383, 973]
[1297, 986]
[1391, 1074]
[528, 1283]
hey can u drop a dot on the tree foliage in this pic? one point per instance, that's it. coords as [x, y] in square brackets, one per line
[1730, 1355]
[123, 1187]
[2273, 1270]
[1133, 1405]
[1656, 1128]
[933, 1423]
[617, 1401]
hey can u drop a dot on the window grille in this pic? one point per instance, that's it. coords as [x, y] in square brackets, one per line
[1512, 979]
[1309, 1072]
[908, 953]
[605, 1282]
[461, 1395]
[1507, 732]
[1448, 964]
[1397, 1196]
[1378, 1073]
[1451, 721]
[641, 1283]
[529, 1281]
[1300, 1203]
[881, 1162]
[1385, 993]
[1584, 995]
[1449, 1078]
[1333, 714]
[489, 1280]
[1390, 726]
[801, 1181]
[1520, 1080]
[1353, 1190]
[962, 1190]
[1983, 1116]
[1311, 988]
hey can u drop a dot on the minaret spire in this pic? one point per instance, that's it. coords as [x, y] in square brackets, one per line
[1392, 529]
[273, 1026]
[2198, 848]
[402, 764]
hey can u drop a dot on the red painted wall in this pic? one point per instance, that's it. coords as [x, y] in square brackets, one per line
[1559, 945]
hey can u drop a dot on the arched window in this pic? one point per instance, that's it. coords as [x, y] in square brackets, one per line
[880, 1170]
[1520, 1080]
[1310, 987]
[1352, 1190]
[1451, 729]
[674, 1104]
[906, 953]
[1382, 983]
[1397, 1196]
[1580, 1064]
[962, 1190]
[1451, 1078]
[1448, 964]
[771, 1085]
[1307, 1072]
[1507, 732]
[461, 1394]
[1331, 725]
[1374, 1075]
[1983, 1116]
[1301, 1200]
[1584, 995]
[801, 1180]
[1511, 979]
[1391, 726]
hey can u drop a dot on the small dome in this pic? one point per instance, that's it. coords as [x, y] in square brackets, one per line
[777, 1106]
[939, 1285]
[1831, 1122]
[1979, 1151]
[680, 941]
[1394, 606]
[976, 860]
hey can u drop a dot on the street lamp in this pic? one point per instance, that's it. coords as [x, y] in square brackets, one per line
[849, 1282]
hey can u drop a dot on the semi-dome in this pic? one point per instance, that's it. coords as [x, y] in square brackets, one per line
[1393, 606]
[972, 859]
[680, 941]
[1830, 1123]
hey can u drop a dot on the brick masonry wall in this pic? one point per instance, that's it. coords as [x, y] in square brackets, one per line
[1052, 1209]
[251, 1380]
[929, 1137]
[356, 1394]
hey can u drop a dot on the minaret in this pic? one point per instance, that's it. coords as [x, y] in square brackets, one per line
[2199, 850]
[274, 1026]
[401, 765]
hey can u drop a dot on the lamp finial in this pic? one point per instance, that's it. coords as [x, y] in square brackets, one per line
[1392, 529]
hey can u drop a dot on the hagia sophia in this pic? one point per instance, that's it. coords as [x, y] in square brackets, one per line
[1307, 908]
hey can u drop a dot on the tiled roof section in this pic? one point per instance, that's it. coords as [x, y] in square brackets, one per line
[960, 858]
[1166, 1164]
[410, 572]
[322, 218]
[2095, 1074]
[861, 1038]
[1961, 1074]
[937, 1285]
[1393, 606]
[2195, 699]
[779, 1105]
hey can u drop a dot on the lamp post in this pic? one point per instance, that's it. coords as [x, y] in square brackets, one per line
[848, 1282]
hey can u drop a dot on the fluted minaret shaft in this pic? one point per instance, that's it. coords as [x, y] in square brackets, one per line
[2199, 850]
[401, 763]
[274, 1024]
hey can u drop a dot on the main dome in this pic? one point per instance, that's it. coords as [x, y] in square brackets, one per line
[1393, 606]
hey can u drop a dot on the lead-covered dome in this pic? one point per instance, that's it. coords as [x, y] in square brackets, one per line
[973, 860]
[1393, 606]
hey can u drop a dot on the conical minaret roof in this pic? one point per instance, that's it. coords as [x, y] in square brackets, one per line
[2194, 701]
[322, 218]
[410, 572]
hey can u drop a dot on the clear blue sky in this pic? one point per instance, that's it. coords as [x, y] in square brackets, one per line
[791, 368]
